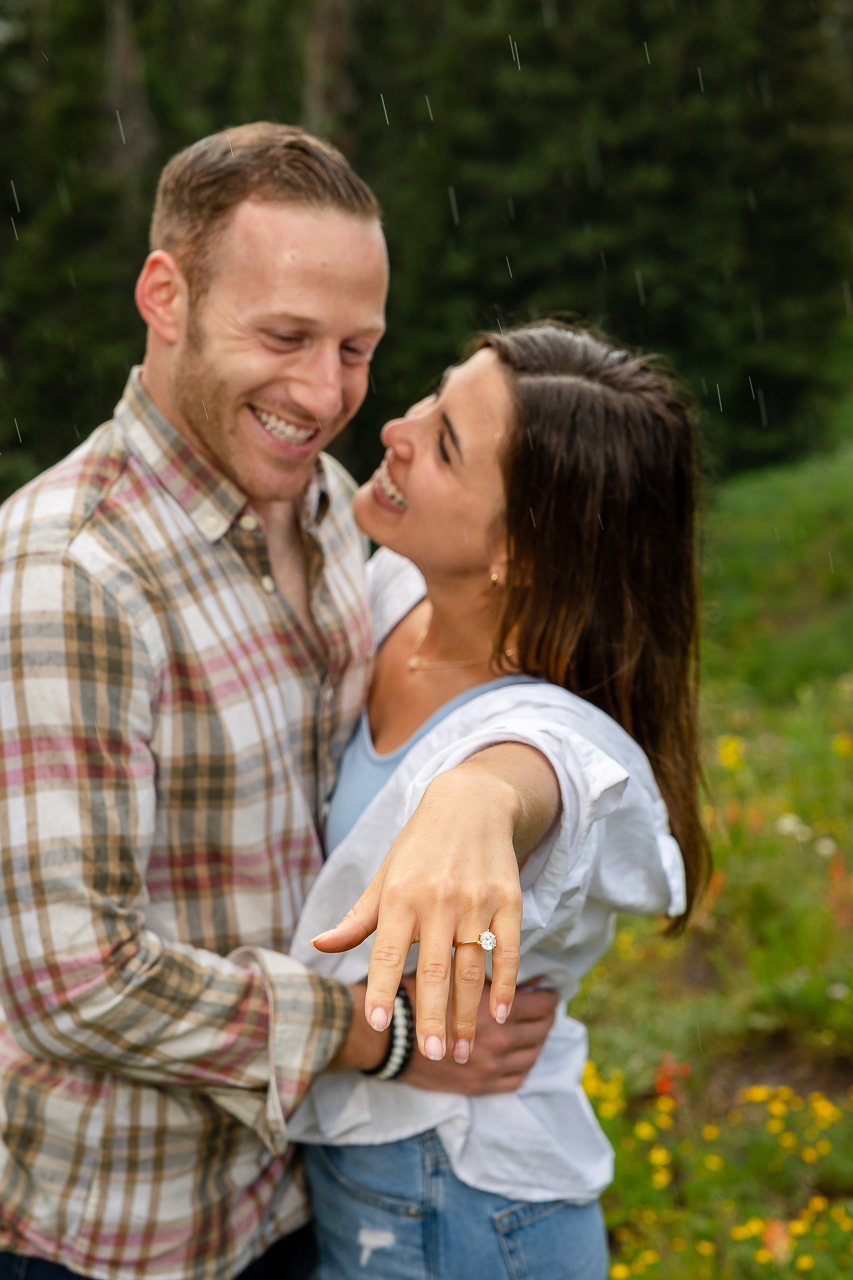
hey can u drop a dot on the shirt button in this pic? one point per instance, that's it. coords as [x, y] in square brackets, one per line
[211, 523]
[248, 522]
[268, 584]
[413, 1211]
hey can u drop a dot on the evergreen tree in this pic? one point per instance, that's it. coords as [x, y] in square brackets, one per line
[678, 170]
[680, 173]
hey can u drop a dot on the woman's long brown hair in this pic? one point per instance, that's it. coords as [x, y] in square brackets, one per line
[600, 473]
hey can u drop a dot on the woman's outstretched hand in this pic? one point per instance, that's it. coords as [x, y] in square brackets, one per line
[451, 874]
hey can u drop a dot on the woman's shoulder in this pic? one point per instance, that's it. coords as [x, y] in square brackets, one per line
[394, 587]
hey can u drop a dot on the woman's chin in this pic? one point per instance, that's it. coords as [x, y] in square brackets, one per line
[368, 516]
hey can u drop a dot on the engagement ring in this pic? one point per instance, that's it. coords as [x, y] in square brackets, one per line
[486, 940]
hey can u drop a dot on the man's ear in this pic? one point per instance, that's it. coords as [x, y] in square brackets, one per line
[162, 297]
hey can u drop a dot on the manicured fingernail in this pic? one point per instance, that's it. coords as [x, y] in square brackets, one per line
[433, 1048]
[379, 1020]
[501, 1014]
[461, 1051]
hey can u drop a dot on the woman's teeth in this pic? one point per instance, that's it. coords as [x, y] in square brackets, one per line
[285, 430]
[388, 487]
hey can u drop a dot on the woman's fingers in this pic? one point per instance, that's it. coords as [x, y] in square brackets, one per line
[395, 933]
[433, 987]
[358, 923]
[469, 975]
[506, 926]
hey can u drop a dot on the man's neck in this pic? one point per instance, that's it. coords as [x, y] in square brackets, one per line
[287, 557]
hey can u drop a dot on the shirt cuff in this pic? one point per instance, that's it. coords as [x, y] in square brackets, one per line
[309, 1019]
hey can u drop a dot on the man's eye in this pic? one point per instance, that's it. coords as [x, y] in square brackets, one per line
[442, 449]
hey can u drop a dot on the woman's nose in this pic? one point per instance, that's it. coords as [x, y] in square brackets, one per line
[396, 435]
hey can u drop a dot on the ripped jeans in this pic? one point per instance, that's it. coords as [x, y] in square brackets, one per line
[398, 1212]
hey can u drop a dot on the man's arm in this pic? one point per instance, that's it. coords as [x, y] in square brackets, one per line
[82, 980]
[451, 874]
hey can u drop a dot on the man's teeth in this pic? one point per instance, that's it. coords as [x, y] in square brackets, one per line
[388, 486]
[285, 430]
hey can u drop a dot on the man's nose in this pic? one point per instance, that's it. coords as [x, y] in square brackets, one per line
[318, 388]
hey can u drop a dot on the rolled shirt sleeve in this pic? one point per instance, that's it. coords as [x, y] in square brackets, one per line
[82, 979]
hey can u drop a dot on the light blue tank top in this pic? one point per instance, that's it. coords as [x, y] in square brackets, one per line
[363, 772]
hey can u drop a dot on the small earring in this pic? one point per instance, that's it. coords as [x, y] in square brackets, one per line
[494, 579]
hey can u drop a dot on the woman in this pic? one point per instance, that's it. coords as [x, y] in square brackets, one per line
[536, 584]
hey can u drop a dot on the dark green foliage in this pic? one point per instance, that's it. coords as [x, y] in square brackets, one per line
[679, 209]
[706, 218]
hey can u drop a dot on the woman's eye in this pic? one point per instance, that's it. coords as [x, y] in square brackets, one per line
[442, 449]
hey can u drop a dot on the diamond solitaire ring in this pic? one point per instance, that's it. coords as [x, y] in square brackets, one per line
[486, 940]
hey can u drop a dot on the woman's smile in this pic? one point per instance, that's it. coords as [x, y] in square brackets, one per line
[385, 491]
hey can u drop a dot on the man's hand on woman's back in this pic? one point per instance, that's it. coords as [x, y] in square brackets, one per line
[499, 1062]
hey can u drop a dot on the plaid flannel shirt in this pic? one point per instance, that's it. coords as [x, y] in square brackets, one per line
[168, 736]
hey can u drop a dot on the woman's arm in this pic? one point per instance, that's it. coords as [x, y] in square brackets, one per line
[451, 874]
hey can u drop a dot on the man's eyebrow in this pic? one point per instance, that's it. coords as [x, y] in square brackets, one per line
[454, 439]
[310, 322]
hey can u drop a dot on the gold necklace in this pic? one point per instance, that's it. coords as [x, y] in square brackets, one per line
[416, 663]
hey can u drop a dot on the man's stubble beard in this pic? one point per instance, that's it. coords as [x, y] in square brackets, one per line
[202, 401]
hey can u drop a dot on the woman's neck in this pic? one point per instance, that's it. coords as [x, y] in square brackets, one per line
[461, 621]
[454, 624]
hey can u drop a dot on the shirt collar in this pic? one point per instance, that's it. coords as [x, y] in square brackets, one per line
[210, 499]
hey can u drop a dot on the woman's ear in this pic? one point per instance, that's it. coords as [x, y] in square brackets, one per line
[498, 571]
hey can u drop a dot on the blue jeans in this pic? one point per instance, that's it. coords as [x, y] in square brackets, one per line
[398, 1212]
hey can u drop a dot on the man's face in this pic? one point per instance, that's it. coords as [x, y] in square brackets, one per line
[275, 358]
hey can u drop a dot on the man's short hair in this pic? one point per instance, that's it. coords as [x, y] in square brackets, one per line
[278, 163]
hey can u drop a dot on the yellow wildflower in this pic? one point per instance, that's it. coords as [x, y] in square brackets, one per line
[705, 1247]
[659, 1156]
[661, 1178]
[809, 1155]
[713, 1162]
[677, 1244]
[763, 1256]
[619, 1271]
[730, 751]
[842, 745]
[757, 1093]
[645, 1130]
[805, 1262]
[710, 1133]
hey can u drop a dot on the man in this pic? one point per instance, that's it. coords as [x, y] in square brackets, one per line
[186, 646]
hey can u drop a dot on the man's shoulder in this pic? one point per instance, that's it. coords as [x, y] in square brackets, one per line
[47, 514]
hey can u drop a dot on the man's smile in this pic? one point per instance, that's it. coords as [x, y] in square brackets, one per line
[286, 431]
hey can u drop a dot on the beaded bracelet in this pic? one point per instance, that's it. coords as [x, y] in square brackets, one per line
[401, 1042]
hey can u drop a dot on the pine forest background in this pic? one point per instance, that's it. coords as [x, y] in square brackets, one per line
[676, 170]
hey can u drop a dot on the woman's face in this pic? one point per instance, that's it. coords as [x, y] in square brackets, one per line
[438, 496]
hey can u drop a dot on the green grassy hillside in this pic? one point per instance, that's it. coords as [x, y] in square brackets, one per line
[722, 1063]
[778, 576]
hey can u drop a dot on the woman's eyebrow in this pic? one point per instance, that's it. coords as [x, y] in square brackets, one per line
[454, 439]
[444, 378]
